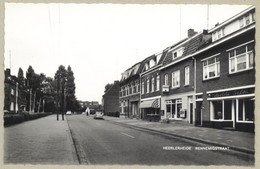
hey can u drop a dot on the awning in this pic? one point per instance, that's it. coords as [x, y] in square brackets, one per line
[155, 103]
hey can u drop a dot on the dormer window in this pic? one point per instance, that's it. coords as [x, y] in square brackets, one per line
[177, 53]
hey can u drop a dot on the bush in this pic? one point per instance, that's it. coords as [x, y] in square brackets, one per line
[15, 118]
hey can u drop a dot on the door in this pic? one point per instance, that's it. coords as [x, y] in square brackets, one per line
[191, 113]
[198, 113]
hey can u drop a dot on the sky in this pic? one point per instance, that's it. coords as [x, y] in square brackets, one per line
[98, 41]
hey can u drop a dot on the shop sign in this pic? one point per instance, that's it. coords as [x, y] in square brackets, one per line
[183, 113]
[165, 88]
[232, 93]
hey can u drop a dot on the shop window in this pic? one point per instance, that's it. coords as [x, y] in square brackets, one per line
[211, 68]
[217, 110]
[222, 109]
[168, 108]
[246, 109]
[227, 109]
[241, 58]
[179, 107]
[176, 79]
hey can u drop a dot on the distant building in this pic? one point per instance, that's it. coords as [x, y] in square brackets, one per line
[15, 94]
[110, 100]
[90, 104]
[129, 95]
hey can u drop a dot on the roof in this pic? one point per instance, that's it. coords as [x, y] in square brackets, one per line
[191, 45]
[232, 19]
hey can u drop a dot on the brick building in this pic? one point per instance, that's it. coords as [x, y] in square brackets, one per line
[129, 95]
[177, 79]
[150, 86]
[226, 75]
[110, 100]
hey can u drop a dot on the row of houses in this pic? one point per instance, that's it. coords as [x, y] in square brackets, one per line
[206, 79]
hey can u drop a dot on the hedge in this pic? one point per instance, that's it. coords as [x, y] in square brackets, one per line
[114, 114]
[15, 118]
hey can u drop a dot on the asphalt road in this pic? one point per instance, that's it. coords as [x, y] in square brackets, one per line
[102, 142]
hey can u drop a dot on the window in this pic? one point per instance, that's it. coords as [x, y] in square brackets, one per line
[218, 34]
[142, 87]
[152, 84]
[222, 109]
[166, 79]
[245, 110]
[175, 55]
[211, 68]
[147, 86]
[12, 91]
[187, 75]
[246, 20]
[176, 79]
[158, 82]
[241, 58]
[12, 106]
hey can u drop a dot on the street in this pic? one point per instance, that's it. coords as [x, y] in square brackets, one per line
[102, 142]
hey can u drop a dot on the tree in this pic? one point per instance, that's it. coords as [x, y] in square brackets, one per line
[71, 101]
[61, 78]
[20, 76]
[108, 86]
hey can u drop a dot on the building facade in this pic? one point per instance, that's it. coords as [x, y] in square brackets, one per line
[225, 93]
[129, 95]
[151, 87]
[110, 100]
[177, 79]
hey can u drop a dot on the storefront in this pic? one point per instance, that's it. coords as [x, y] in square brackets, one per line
[150, 109]
[232, 107]
[179, 107]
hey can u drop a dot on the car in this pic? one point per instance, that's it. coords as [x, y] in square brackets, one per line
[68, 113]
[98, 115]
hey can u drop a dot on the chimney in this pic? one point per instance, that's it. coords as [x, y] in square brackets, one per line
[7, 72]
[205, 32]
[191, 32]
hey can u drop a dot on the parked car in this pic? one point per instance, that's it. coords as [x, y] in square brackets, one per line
[68, 113]
[98, 115]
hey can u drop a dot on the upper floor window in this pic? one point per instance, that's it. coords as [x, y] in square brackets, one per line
[211, 68]
[218, 34]
[152, 88]
[241, 58]
[166, 79]
[12, 91]
[187, 75]
[142, 87]
[147, 86]
[158, 82]
[247, 19]
[176, 78]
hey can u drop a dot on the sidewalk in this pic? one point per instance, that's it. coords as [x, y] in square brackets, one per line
[236, 140]
[41, 141]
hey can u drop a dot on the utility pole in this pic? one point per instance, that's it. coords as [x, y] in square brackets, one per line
[58, 96]
[43, 102]
[30, 100]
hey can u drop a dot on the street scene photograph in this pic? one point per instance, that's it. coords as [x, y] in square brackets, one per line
[129, 84]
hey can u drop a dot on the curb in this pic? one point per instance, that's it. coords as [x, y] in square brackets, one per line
[79, 152]
[185, 137]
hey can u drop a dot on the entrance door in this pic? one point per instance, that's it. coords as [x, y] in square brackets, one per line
[191, 113]
[198, 113]
[173, 111]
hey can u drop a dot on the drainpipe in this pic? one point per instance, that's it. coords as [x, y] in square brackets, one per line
[140, 86]
[194, 99]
